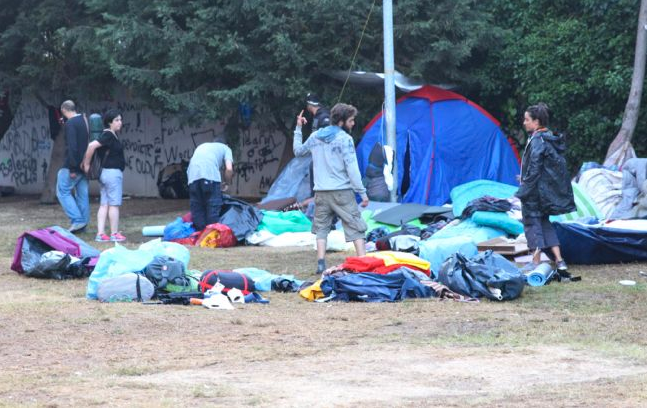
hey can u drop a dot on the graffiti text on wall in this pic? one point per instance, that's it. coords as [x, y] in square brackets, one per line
[258, 150]
[27, 140]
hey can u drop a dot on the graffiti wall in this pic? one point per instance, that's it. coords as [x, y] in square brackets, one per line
[150, 143]
[25, 149]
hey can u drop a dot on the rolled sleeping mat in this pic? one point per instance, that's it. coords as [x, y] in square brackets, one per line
[153, 231]
[540, 275]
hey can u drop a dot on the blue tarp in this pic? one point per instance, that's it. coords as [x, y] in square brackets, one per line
[370, 287]
[589, 245]
[449, 141]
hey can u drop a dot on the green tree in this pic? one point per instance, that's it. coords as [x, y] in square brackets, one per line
[576, 56]
[200, 59]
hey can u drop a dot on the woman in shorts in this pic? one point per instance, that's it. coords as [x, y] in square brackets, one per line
[111, 153]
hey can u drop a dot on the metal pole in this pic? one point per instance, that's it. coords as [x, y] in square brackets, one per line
[389, 89]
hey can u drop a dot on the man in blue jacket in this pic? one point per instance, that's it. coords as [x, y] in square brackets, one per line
[71, 183]
[336, 179]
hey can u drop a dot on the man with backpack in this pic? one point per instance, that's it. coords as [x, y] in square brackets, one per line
[71, 183]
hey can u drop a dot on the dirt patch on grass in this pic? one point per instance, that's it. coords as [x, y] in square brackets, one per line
[578, 344]
[390, 375]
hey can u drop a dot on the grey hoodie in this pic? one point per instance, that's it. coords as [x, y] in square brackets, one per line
[333, 155]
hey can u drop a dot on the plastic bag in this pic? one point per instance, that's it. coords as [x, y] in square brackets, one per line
[178, 229]
[216, 236]
[120, 260]
[52, 264]
[486, 275]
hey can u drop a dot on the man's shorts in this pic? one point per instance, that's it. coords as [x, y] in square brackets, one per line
[540, 233]
[341, 203]
[112, 181]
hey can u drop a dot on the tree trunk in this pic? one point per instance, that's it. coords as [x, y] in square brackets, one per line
[48, 195]
[620, 149]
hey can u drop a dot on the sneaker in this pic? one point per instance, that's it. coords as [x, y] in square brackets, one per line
[561, 266]
[102, 238]
[77, 227]
[117, 237]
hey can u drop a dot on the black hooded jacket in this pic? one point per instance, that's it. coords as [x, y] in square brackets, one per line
[545, 183]
[321, 119]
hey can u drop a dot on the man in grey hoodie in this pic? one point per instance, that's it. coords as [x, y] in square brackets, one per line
[336, 179]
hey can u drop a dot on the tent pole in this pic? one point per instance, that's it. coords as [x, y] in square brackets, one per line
[389, 89]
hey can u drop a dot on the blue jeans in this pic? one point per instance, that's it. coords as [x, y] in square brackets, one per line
[205, 201]
[77, 206]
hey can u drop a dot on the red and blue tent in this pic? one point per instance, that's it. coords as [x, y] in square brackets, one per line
[443, 140]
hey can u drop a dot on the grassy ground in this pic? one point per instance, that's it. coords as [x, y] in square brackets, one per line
[577, 344]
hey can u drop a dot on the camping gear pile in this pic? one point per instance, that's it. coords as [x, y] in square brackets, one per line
[159, 270]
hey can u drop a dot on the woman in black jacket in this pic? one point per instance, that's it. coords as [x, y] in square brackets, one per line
[545, 187]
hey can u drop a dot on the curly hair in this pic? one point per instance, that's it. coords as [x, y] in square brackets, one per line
[341, 112]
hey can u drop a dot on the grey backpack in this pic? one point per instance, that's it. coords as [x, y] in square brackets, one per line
[126, 288]
[164, 270]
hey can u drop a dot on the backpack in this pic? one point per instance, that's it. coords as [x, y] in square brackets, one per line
[164, 270]
[228, 279]
[126, 288]
[31, 245]
[172, 181]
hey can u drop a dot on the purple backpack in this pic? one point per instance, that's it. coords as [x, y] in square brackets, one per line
[48, 239]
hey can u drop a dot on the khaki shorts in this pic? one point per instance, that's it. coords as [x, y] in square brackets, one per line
[341, 203]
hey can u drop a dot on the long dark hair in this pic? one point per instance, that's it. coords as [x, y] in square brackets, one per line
[539, 112]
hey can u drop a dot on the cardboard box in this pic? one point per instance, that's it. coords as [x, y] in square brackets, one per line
[500, 245]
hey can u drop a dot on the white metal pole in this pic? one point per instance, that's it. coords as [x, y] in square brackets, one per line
[389, 90]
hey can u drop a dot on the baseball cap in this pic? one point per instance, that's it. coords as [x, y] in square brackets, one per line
[312, 99]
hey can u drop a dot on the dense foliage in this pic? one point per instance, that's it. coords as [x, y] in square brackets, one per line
[577, 56]
[204, 59]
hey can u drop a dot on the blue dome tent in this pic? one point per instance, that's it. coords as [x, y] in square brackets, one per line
[443, 140]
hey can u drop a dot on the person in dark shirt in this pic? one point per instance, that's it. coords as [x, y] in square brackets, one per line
[71, 183]
[320, 114]
[545, 188]
[111, 153]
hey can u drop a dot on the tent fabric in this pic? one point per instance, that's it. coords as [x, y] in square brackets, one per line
[449, 140]
[590, 245]
[293, 181]
[403, 258]
[436, 251]
[367, 216]
[278, 222]
[462, 195]
[403, 213]
[586, 207]
[498, 220]
[369, 287]
[604, 187]
[469, 228]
